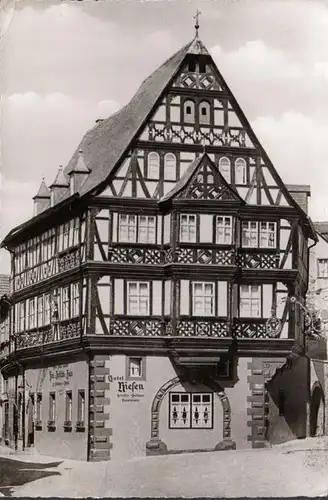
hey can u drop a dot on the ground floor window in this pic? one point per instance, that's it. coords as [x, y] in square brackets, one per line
[190, 410]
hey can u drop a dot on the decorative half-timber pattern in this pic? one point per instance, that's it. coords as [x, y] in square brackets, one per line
[155, 446]
[100, 431]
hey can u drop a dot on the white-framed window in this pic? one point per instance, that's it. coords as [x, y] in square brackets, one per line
[75, 299]
[250, 301]
[322, 268]
[224, 230]
[240, 171]
[40, 310]
[31, 313]
[138, 298]
[75, 231]
[249, 234]
[188, 228]
[146, 229]
[203, 299]
[259, 234]
[66, 230]
[170, 167]
[39, 406]
[204, 113]
[65, 303]
[191, 410]
[128, 228]
[225, 168]
[47, 309]
[268, 234]
[153, 165]
[135, 367]
[189, 111]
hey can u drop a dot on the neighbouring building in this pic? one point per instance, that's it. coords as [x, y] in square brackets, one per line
[5, 305]
[152, 289]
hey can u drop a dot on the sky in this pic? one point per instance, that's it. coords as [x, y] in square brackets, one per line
[66, 63]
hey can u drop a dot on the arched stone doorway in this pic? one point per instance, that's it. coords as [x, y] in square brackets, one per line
[317, 411]
[155, 446]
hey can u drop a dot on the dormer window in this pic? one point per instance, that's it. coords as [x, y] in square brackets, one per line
[189, 111]
[153, 166]
[224, 167]
[170, 167]
[240, 171]
[204, 113]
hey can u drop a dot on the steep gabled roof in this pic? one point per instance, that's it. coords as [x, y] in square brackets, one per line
[60, 180]
[189, 174]
[104, 145]
[43, 192]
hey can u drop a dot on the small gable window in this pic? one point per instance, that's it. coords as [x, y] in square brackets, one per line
[170, 167]
[240, 171]
[192, 66]
[189, 111]
[153, 166]
[202, 67]
[224, 167]
[204, 112]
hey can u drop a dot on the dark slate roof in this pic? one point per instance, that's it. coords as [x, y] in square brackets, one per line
[104, 145]
[188, 175]
[43, 192]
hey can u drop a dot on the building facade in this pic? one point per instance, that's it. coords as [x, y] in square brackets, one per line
[151, 291]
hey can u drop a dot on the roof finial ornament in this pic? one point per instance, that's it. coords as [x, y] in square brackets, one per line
[197, 23]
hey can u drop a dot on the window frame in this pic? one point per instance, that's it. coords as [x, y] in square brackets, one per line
[225, 158]
[138, 296]
[129, 375]
[80, 417]
[203, 296]
[52, 406]
[68, 406]
[195, 225]
[216, 232]
[186, 103]
[319, 263]
[136, 229]
[190, 404]
[153, 154]
[207, 114]
[65, 303]
[75, 299]
[245, 176]
[165, 176]
[259, 234]
[251, 299]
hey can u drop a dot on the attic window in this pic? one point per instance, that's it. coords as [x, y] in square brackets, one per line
[202, 67]
[192, 65]
[189, 111]
[204, 112]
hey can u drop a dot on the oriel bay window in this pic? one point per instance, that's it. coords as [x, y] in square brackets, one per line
[188, 228]
[190, 410]
[138, 298]
[250, 301]
[224, 230]
[137, 229]
[259, 234]
[203, 298]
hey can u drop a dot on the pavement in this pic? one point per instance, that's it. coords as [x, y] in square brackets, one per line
[297, 468]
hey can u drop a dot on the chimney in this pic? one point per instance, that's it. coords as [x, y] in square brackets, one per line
[58, 187]
[300, 194]
[42, 198]
[78, 174]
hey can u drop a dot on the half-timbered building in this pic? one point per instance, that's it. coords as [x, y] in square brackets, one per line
[151, 290]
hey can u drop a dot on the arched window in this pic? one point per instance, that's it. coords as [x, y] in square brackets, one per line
[240, 171]
[224, 167]
[189, 111]
[204, 112]
[170, 167]
[153, 166]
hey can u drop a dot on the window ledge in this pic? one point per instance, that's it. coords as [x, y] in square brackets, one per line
[80, 427]
[51, 426]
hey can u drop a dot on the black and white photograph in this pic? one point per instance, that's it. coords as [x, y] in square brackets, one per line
[164, 248]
